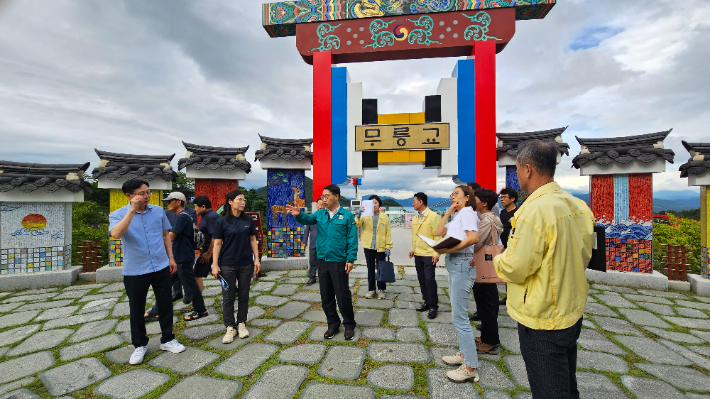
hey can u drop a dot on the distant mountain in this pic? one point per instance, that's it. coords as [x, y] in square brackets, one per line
[660, 204]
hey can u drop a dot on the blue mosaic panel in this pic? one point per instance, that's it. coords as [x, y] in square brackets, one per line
[511, 181]
[284, 187]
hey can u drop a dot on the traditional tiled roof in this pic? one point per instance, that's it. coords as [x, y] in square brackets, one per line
[511, 143]
[286, 149]
[28, 177]
[202, 156]
[645, 148]
[699, 161]
[129, 166]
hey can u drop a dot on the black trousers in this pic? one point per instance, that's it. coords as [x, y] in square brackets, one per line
[238, 278]
[334, 285]
[192, 290]
[312, 263]
[136, 290]
[487, 300]
[426, 273]
[551, 360]
[373, 258]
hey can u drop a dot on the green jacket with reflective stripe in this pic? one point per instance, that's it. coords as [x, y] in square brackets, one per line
[337, 236]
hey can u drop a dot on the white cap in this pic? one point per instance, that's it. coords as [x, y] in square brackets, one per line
[175, 195]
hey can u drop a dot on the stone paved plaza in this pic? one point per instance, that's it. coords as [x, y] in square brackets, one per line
[73, 342]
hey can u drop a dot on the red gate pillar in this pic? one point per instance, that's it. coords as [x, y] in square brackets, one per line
[484, 53]
[322, 61]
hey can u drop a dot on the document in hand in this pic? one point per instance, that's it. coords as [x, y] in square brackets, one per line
[445, 242]
[369, 206]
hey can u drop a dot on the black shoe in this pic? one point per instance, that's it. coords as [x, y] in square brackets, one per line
[177, 296]
[432, 313]
[423, 308]
[474, 317]
[330, 333]
[186, 300]
[150, 317]
[478, 327]
[502, 301]
[311, 281]
[349, 334]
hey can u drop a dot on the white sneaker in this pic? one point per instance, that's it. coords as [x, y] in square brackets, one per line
[243, 332]
[229, 336]
[454, 360]
[462, 374]
[381, 295]
[138, 355]
[370, 294]
[173, 346]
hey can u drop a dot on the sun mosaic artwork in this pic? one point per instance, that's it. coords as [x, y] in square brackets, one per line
[34, 237]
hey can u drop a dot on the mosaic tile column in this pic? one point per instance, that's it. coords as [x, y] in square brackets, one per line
[511, 181]
[35, 236]
[285, 187]
[215, 190]
[118, 200]
[627, 219]
[705, 231]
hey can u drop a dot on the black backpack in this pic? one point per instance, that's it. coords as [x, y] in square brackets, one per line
[198, 238]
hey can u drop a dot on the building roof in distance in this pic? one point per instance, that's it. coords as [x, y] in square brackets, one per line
[130, 166]
[286, 149]
[28, 177]
[202, 156]
[644, 148]
[699, 162]
[511, 143]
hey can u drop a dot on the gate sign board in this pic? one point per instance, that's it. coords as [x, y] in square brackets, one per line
[415, 136]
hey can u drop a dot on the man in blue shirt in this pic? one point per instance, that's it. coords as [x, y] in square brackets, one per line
[147, 261]
[337, 251]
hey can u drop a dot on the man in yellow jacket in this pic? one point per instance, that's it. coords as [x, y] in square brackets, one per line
[425, 258]
[548, 251]
[377, 243]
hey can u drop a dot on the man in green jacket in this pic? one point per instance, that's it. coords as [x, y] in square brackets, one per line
[336, 248]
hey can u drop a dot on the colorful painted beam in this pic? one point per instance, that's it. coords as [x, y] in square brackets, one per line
[281, 18]
[451, 34]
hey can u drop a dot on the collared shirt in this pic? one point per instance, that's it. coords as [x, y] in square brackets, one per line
[331, 213]
[143, 245]
[337, 234]
[545, 262]
[425, 224]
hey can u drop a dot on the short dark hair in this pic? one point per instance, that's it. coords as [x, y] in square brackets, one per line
[202, 201]
[421, 197]
[542, 156]
[512, 194]
[333, 189]
[487, 196]
[374, 197]
[319, 199]
[129, 186]
[468, 191]
[474, 186]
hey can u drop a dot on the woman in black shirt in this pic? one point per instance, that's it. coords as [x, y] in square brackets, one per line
[236, 257]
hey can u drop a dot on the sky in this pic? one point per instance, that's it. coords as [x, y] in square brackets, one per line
[140, 77]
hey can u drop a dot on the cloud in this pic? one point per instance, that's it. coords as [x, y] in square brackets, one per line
[140, 77]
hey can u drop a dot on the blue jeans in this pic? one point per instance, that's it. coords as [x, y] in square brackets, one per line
[461, 276]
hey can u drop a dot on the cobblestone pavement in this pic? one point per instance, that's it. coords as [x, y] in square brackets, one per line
[72, 342]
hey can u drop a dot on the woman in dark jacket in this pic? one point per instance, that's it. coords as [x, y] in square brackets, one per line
[236, 257]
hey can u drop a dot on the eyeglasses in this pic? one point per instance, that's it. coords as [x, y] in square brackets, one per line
[454, 194]
[144, 194]
[325, 197]
[239, 200]
[503, 196]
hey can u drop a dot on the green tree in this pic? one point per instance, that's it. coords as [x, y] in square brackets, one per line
[89, 223]
[679, 232]
[686, 214]
[99, 196]
[184, 185]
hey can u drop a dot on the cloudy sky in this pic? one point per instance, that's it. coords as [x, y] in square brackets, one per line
[140, 76]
